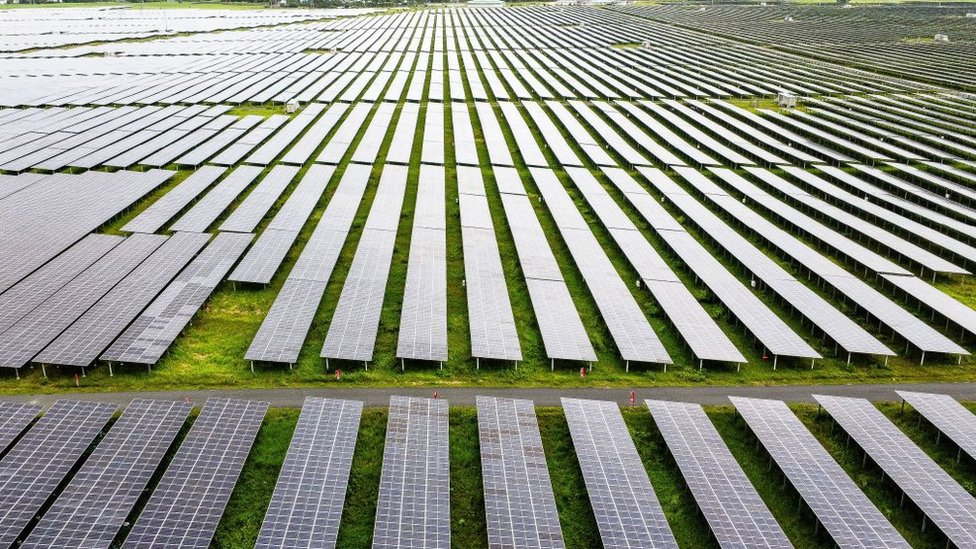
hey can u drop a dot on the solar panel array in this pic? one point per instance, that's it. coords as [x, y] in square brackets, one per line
[249, 141]
[32, 470]
[161, 211]
[413, 509]
[283, 330]
[519, 501]
[563, 334]
[706, 339]
[93, 507]
[845, 512]
[93, 332]
[208, 209]
[30, 292]
[25, 339]
[630, 329]
[626, 508]
[911, 328]
[64, 208]
[947, 415]
[352, 332]
[947, 504]
[187, 504]
[152, 332]
[250, 212]
[569, 99]
[264, 258]
[734, 510]
[311, 491]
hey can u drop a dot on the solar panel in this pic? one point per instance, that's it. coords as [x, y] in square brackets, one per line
[734, 510]
[151, 334]
[14, 418]
[846, 513]
[39, 462]
[81, 343]
[26, 338]
[372, 138]
[519, 502]
[947, 504]
[302, 150]
[311, 491]
[283, 331]
[432, 151]
[93, 507]
[563, 334]
[413, 509]
[72, 206]
[630, 329]
[948, 416]
[198, 155]
[187, 504]
[401, 147]
[627, 511]
[249, 141]
[338, 145]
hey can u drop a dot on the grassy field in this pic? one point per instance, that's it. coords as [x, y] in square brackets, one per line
[241, 522]
[210, 352]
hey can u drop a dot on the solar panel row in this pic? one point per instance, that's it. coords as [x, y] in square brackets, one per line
[846, 513]
[626, 508]
[947, 504]
[86, 338]
[490, 316]
[264, 258]
[189, 500]
[413, 507]
[308, 500]
[28, 337]
[519, 501]
[423, 318]
[734, 510]
[354, 325]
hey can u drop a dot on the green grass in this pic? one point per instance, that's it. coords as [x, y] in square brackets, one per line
[241, 522]
[264, 110]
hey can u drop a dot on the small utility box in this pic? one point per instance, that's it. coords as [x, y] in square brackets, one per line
[786, 100]
[291, 107]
